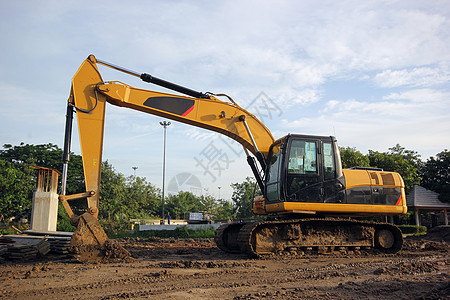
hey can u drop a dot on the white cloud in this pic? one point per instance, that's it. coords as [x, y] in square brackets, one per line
[291, 50]
[429, 98]
[416, 77]
[413, 103]
[369, 37]
[417, 119]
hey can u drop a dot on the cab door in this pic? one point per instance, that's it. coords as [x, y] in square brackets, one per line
[273, 193]
[303, 180]
[333, 186]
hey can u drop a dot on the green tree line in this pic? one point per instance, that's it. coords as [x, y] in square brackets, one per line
[124, 198]
[121, 197]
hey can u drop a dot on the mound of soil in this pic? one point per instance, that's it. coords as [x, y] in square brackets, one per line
[414, 268]
[438, 233]
[415, 244]
[112, 251]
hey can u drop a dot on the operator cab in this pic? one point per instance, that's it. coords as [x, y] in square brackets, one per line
[304, 168]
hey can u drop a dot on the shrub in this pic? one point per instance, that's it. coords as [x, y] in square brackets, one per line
[412, 229]
[180, 233]
[115, 227]
[63, 223]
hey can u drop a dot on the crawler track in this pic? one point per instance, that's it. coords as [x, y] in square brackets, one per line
[322, 235]
[226, 237]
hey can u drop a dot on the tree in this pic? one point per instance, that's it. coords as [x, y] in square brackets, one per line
[353, 158]
[398, 159]
[112, 200]
[18, 159]
[209, 204]
[242, 197]
[120, 197]
[436, 175]
[224, 210]
[47, 156]
[126, 197]
[16, 189]
[142, 199]
[183, 203]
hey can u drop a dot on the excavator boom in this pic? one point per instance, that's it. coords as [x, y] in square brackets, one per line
[89, 95]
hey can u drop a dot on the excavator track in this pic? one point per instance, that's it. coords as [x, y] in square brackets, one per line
[226, 237]
[312, 234]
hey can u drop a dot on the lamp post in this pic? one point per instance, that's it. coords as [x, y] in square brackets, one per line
[164, 124]
[134, 168]
[219, 191]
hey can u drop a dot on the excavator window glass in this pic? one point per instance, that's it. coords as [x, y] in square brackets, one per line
[273, 174]
[302, 158]
[328, 161]
[303, 182]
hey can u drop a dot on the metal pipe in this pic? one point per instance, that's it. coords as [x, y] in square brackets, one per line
[155, 80]
[118, 68]
[64, 179]
[259, 180]
[66, 151]
[259, 155]
[242, 118]
[164, 124]
[246, 151]
[256, 173]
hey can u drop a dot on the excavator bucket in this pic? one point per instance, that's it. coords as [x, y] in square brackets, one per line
[88, 240]
[90, 244]
[89, 232]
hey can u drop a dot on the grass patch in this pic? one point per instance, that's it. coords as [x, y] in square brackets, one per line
[180, 233]
[413, 229]
[12, 231]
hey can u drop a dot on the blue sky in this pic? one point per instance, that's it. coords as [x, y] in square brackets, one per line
[372, 73]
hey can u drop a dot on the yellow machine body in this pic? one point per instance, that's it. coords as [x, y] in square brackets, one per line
[355, 179]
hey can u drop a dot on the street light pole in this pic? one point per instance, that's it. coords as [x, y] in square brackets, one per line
[164, 124]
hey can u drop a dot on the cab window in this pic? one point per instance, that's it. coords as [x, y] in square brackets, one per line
[302, 158]
[328, 162]
[273, 189]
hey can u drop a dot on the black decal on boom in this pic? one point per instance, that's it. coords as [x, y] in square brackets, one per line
[178, 106]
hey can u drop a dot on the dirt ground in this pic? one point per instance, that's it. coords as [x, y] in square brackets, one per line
[193, 269]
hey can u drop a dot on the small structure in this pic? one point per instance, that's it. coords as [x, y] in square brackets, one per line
[44, 212]
[422, 199]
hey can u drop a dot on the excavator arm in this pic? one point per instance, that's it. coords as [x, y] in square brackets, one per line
[88, 97]
[90, 93]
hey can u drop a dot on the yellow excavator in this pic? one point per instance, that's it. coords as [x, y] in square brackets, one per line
[306, 195]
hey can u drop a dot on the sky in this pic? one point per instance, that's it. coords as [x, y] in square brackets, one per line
[372, 73]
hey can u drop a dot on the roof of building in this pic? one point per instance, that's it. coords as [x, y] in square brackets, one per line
[421, 198]
[45, 169]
